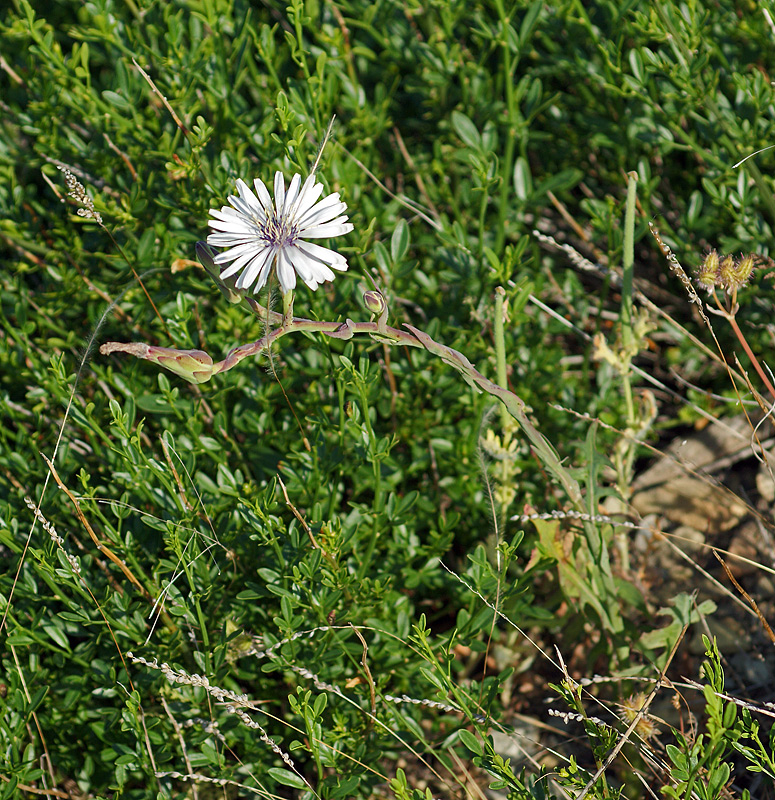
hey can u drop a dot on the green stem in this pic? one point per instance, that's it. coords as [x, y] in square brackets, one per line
[299, 31]
[500, 348]
[502, 378]
[509, 65]
[273, 541]
[628, 260]
[287, 308]
[378, 502]
[628, 335]
[482, 221]
[629, 458]
[199, 614]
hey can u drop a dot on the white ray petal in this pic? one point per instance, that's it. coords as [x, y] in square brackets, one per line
[250, 274]
[246, 257]
[285, 272]
[328, 230]
[291, 195]
[279, 190]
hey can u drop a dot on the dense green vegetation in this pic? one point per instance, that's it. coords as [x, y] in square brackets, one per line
[357, 564]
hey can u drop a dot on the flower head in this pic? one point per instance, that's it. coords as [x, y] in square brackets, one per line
[734, 274]
[706, 274]
[631, 707]
[261, 235]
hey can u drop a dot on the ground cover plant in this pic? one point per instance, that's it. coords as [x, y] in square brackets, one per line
[474, 502]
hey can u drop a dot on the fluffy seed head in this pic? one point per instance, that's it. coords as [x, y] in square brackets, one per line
[706, 274]
[735, 274]
[631, 706]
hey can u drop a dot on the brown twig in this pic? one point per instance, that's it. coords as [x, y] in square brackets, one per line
[122, 155]
[106, 551]
[312, 539]
[417, 177]
[766, 625]
[580, 232]
[162, 98]
[369, 679]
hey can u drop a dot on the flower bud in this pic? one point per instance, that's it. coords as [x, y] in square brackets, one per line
[375, 301]
[194, 366]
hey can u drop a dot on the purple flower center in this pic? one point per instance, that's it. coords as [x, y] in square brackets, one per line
[278, 232]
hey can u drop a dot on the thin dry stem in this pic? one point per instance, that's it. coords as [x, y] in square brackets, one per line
[766, 625]
[101, 547]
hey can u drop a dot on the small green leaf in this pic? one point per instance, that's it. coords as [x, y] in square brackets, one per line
[466, 130]
[58, 635]
[566, 179]
[471, 742]
[287, 778]
[529, 23]
[399, 242]
[523, 181]
[117, 100]
[380, 254]
[636, 65]
[320, 704]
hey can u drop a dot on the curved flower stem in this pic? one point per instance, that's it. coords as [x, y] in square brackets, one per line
[411, 337]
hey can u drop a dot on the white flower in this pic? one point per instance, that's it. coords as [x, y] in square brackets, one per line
[260, 234]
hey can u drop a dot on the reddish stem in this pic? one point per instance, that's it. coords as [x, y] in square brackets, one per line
[751, 356]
